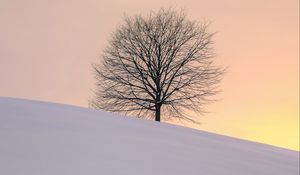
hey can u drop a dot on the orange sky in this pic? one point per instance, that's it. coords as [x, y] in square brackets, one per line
[47, 47]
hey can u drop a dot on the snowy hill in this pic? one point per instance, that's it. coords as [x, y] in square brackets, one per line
[39, 138]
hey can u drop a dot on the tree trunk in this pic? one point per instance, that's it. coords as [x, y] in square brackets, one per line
[157, 112]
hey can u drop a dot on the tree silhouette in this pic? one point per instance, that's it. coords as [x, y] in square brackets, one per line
[157, 65]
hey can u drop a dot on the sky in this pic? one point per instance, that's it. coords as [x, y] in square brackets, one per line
[47, 48]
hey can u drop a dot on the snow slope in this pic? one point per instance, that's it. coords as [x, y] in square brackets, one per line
[39, 138]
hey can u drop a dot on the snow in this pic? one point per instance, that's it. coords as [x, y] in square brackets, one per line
[39, 138]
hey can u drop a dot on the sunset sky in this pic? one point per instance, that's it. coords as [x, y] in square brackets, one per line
[47, 48]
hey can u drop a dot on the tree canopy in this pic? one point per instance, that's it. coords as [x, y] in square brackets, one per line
[159, 65]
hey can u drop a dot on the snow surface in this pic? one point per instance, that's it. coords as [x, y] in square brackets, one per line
[39, 138]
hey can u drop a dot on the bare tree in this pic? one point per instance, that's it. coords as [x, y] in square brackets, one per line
[158, 64]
